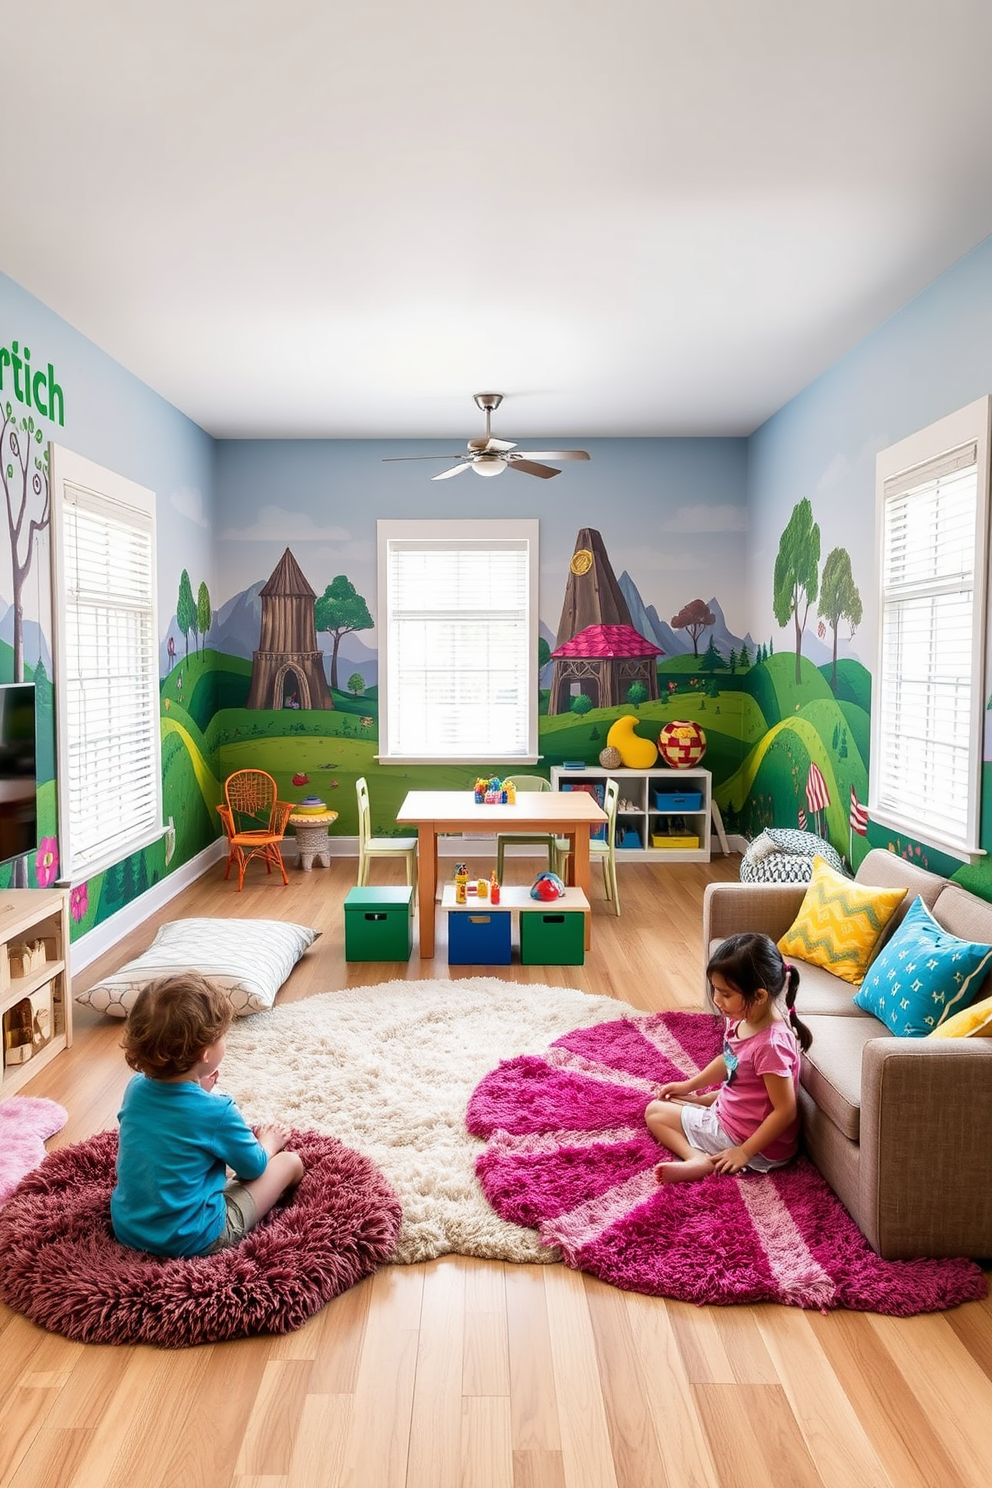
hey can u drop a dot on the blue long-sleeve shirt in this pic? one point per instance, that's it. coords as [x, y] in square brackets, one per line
[177, 1141]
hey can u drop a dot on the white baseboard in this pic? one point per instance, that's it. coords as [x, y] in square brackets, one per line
[104, 937]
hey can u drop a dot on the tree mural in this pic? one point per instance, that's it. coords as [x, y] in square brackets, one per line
[695, 617]
[356, 684]
[339, 611]
[839, 598]
[711, 663]
[24, 471]
[186, 609]
[797, 567]
[204, 613]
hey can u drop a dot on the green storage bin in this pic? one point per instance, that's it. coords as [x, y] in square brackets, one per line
[377, 924]
[552, 937]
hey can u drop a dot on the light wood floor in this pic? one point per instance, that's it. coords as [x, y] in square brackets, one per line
[469, 1373]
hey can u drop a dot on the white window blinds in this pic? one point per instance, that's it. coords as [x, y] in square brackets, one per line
[107, 674]
[460, 640]
[926, 745]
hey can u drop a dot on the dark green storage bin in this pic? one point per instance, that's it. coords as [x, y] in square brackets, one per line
[552, 937]
[377, 924]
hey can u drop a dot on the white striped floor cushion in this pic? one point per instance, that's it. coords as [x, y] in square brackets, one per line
[250, 959]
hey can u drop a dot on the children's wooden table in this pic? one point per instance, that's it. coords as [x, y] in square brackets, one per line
[563, 813]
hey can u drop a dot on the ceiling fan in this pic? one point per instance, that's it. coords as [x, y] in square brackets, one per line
[489, 456]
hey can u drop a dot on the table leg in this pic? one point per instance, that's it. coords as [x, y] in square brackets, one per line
[580, 869]
[426, 885]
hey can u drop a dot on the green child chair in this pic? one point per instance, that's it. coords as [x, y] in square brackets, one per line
[557, 846]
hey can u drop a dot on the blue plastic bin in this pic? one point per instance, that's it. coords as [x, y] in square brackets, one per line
[479, 937]
[678, 800]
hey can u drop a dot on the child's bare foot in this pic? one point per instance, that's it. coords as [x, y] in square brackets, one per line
[686, 1171]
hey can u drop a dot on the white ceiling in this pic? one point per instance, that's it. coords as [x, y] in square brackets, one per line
[632, 217]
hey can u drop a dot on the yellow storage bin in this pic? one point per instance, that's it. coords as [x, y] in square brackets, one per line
[680, 842]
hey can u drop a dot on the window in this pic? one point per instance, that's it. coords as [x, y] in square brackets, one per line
[458, 641]
[927, 713]
[106, 671]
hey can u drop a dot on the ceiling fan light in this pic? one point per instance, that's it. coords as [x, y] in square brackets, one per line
[489, 465]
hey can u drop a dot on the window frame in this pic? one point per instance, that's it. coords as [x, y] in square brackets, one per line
[967, 426]
[418, 530]
[135, 504]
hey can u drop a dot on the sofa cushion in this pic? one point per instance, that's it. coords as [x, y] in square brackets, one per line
[888, 871]
[923, 975]
[820, 992]
[831, 1067]
[839, 922]
[970, 1022]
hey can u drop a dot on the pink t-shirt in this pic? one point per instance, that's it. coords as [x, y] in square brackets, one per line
[743, 1103]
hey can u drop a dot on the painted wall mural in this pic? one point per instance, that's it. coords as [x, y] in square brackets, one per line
[91, 405]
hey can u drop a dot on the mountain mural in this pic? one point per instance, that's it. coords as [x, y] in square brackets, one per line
[35, 644]
[678, 642]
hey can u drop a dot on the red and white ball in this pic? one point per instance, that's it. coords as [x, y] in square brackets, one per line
[681, 743]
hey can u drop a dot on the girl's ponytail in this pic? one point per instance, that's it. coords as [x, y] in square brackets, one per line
[803, 1036]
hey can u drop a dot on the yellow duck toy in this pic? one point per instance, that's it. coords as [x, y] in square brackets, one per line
[636, 753]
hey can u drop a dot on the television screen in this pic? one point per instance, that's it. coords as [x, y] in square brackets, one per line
[18, 767]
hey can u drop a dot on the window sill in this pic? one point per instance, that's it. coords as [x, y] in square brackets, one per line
[916, 833]
[514, 761]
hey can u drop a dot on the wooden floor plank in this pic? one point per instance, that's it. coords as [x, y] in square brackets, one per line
[756, 1441]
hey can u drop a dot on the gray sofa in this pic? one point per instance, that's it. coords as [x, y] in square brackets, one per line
[901, 1128]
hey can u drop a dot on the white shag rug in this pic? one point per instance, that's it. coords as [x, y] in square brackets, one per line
[389, 1070]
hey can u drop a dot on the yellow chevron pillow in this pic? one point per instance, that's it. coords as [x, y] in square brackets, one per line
[839, 922]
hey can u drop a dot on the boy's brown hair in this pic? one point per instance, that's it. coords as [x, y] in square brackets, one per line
[171, 1023]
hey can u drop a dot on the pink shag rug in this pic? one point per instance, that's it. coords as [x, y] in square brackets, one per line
[26, 1121]
[568, 1154]
[61, 1266]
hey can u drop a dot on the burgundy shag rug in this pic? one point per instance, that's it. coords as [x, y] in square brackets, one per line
[61, 1266]
[568, 1154]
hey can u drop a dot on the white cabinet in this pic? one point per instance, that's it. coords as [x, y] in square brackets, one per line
[35, 1003]
[662, 815]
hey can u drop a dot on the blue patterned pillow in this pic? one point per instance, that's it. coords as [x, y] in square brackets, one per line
[922, 976]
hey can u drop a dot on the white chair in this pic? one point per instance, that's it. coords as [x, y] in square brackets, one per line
[606, 849]
[557, 846]
[370, 847]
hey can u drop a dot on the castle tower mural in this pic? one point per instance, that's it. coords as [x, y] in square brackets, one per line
[598, 651]
[287, 669]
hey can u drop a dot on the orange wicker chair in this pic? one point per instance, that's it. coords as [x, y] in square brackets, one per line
[255, 822]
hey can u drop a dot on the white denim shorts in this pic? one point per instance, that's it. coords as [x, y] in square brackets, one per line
[704, 1131]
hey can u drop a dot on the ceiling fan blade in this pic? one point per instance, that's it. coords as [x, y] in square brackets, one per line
[490, 446]
[554, 454]
[529, 468]
[455, 470]
[387, 459]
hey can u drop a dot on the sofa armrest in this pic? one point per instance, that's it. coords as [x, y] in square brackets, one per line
[926, 1140]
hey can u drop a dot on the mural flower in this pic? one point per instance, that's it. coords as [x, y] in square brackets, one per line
[79, 902]
[46, 862]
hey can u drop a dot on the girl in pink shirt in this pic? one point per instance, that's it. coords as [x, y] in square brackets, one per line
[752, 1119]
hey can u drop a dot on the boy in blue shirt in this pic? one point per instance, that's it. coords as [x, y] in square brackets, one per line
[178, 1137]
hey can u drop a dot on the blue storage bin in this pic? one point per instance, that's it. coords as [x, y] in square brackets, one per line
[479, 937]
[669, 800]
[629, 837]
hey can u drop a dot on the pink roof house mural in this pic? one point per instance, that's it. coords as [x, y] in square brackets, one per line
[598, 651]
